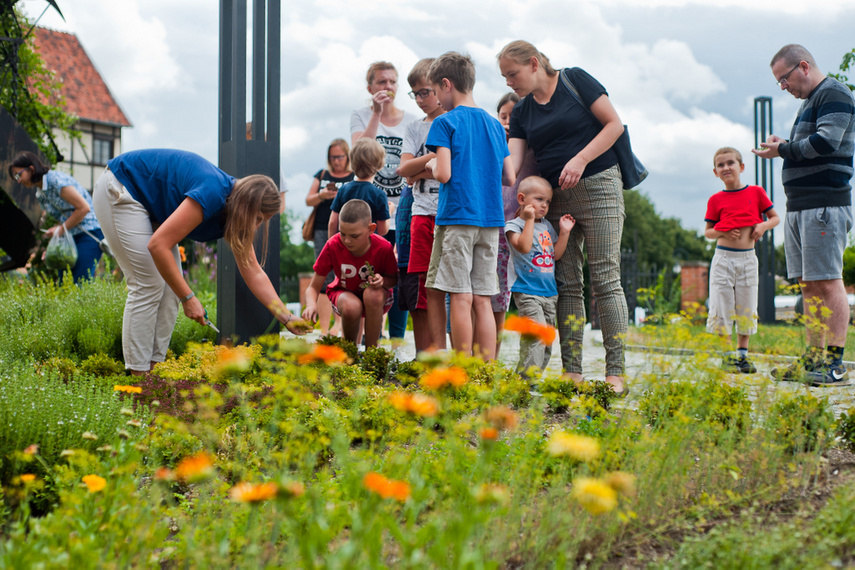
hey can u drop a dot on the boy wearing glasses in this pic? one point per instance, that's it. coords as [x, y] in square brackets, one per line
[816, 173]
[426, 306]
[735, 220]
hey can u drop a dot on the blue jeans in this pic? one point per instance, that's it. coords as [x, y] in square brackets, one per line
[88, 254]
[397, 317]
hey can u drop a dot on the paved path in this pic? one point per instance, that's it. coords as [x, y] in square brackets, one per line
[645, 366]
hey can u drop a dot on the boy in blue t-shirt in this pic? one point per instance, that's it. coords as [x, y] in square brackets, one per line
[534, 249]
[472, 162]
[367, 157]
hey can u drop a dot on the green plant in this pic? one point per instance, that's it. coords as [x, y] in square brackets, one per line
[101, 365]
[663, 298]
[801, 422]
[347, 346]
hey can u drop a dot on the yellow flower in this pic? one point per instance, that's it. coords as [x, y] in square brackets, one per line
[197, 467]
[417, 404]
[128, 389]
[576, 446]
[502, 417]
[532, 329]
[623, 483]
[94, 483]
[27, 478]
[386, 488]
[440, 377]
[594, 495]
[253, 492]
[328, 354]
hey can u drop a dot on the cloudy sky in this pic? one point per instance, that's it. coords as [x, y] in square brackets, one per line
[683, 74]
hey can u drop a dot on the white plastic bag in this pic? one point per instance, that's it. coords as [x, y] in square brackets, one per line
[61, 253]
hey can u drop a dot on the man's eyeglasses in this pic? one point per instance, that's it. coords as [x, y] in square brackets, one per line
[783, 80]
[424, 93]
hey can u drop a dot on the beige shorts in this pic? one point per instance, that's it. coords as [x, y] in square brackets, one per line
[733, 292]
[463, 260]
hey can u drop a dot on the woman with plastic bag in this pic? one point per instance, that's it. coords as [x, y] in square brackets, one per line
[66, 200]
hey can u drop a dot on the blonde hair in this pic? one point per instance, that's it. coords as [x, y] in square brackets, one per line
[530, 183]
[355, 211]
[251, 196]
[368, 157]
[420, 72]
[341, 143]
[521, 52]
[378, 66]
[726, 150]
[455, 67]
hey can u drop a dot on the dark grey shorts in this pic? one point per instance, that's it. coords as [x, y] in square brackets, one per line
[814, 241]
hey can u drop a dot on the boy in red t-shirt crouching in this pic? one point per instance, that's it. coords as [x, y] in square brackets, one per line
[735, 220]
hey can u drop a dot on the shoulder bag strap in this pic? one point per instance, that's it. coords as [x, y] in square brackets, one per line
[575, 92]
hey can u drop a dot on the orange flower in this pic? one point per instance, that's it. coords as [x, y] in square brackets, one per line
[164, 474]
[94, 483]
[195, 468]
[182, 253]
[253, 492]
[27, 478]
[417, 404]
[439, 377]
[31, 449]
[232, 360]
[386, 488]
[502, 417]
[532, 329]
[489, 434]
[128, 389]
[328, 354]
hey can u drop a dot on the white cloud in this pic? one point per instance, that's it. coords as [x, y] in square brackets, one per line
[829, 8]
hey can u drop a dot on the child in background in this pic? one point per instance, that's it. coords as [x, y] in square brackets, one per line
[472, 162]
[367, 157]
[735, 220]
[365, 272]
[535, 247]
[427, 306]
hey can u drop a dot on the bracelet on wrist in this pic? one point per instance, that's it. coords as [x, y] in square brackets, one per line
[188, 297]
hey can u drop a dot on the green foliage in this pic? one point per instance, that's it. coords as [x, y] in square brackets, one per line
[663, 298]
[376, 361]
[849, 266]
[22, 93]
[557, 392]
[801, 422]
[101, 365]
[347, 346]
[846, 428]
[45, 410]
[294, 258]
[710, 402]
[845, 65]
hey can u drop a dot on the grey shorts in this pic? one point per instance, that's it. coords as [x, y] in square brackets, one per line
[814, 241]
[733, 292]
[463, 260]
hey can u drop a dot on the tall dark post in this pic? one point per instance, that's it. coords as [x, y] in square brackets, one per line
[765, 248]
[239, 314]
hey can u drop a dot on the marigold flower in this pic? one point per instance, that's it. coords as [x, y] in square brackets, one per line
[31, 449]
[233, 360]
[94, 483]
[623, 483]
[164, 474]
[417, 404]
[128, 389]
[253, 492]
[440, 377]
[578, 447]
[531, 329]
[326, 353]
[182, 253]
[489, 434]
[502, 417]
[27, 478]
[594, 495]
[194, 468]
[385, 487]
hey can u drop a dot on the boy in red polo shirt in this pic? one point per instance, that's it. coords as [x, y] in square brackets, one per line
[735, 220]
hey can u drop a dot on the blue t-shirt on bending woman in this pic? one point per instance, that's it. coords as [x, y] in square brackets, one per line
[160, 179]
[366, 191]
[473, 195]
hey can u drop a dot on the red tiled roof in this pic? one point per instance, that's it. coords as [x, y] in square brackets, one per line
[86, 94]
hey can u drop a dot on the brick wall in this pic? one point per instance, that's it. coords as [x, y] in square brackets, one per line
[694, 282]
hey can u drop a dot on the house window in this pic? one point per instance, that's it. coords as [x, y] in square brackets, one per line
[103, 151]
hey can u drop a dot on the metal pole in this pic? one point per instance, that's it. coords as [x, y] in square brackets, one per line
[239, 315]
[765, 248]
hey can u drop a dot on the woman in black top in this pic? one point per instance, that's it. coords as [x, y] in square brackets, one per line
[324, 187]
[572, 137]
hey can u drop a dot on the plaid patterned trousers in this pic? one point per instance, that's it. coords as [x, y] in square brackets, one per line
[597, 204]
